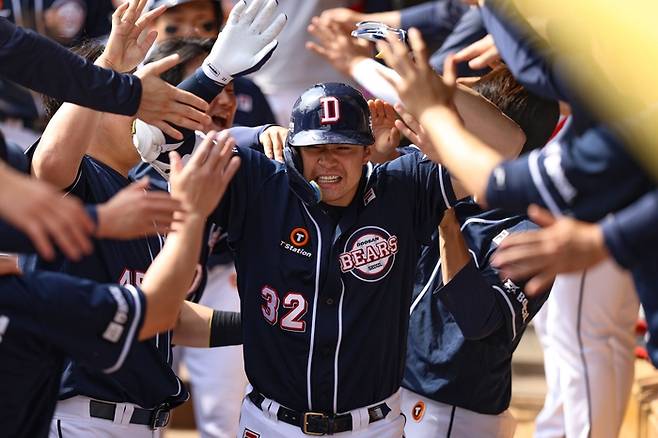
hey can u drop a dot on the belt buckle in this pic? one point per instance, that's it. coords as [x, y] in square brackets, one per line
[160, 417]
[306, 419]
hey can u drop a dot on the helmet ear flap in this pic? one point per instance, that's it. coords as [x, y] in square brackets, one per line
[294, 157]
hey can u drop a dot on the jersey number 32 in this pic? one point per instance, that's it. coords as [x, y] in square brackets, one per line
[294, 303]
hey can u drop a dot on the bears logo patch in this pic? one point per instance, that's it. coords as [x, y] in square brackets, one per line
[369, 253]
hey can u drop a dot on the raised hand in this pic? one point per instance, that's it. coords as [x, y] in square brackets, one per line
[387, 136]
[135, 212]
[163, 104]
[563, 244]
[201, 183]
[247, 41]
[418, 85]
[336, 45]
[273, 140]
[129, 39]
[481, 54]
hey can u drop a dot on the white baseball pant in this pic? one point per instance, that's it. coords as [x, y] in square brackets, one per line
[429, 418]
[72, 420]
[587, 330]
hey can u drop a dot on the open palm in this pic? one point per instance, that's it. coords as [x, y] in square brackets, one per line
[130, 41]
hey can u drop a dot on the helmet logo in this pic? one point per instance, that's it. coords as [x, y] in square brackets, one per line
[330, 110]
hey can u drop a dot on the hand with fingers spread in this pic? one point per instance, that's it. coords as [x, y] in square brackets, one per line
[246, 42]
[135, 212]
[336, 45]
[412, 129]
[201, 183]
[419, 87]
[563, 245]
[481, 54]
[163, 104]
[44, 215]
[343, 17]
[130, 38]
[387, 136]
[273, 140]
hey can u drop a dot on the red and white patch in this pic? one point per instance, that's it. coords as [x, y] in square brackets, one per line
[418, 411]
[250, 434]
[369, 253]
[330, 110]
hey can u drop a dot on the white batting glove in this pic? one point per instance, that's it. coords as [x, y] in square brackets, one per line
[247, 41]
[150, 144]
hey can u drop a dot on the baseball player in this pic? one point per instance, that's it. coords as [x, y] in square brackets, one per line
[319, 307]
[46, 316]
[147, 381]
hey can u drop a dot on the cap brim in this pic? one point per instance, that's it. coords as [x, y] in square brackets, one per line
[318, 136]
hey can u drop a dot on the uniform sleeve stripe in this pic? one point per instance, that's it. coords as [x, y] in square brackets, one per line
[511, 310]
[533, 166]
[127, 342]
[75, 183]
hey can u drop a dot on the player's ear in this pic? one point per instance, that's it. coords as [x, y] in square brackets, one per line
[366, 154]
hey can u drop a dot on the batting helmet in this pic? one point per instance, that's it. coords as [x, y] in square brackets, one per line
[328, 113]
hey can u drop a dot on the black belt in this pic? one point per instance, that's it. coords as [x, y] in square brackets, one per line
[154, 418]
[318, 423]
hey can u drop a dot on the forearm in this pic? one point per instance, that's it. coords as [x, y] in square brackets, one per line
[490, 125]
[390, 18]
[169, 277]
[202, 327]
[467, 158]
[453, 249]
[65, 141]
[40, 64]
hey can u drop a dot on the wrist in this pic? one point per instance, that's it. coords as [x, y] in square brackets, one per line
[438, 113]
[598, 242]
[103, 229]
[105, 62]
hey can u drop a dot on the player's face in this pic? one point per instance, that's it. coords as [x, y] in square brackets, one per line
[336, 168]
[194, 19]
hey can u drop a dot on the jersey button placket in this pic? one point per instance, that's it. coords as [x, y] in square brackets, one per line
[329, 301]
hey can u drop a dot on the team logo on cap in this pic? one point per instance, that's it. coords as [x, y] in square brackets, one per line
[369, 253]
[330, 110]
[418, 411]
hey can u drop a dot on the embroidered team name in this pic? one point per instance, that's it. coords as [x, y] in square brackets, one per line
[369, 253]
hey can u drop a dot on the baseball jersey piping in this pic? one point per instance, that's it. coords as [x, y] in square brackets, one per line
[427, 286]
[127, 343]
[315, 307]
[446, 201]
[340, 337]
[533, 166]
[511, 310]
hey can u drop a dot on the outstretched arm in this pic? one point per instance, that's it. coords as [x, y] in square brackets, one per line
[198, 186]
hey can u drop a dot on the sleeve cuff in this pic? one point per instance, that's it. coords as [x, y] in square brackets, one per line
[615, 242]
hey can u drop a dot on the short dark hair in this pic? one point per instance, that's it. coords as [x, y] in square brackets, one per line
[187, 48]
[89, 50]
[536, 115]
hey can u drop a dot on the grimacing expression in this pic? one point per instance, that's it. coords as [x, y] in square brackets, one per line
[196, 19]
[336, 168]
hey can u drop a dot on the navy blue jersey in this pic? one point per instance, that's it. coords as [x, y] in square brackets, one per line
[252, 106]
[462, 335]
[147, 379]
[42, 65]
[325, 292]
[46, 317]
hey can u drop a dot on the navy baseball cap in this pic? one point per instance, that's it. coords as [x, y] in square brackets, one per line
[330, 113]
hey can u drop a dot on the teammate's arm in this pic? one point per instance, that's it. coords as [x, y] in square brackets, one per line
[198, 186]
[200, 326]
[66, 138]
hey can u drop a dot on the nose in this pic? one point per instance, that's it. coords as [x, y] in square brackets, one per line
[327, 158]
